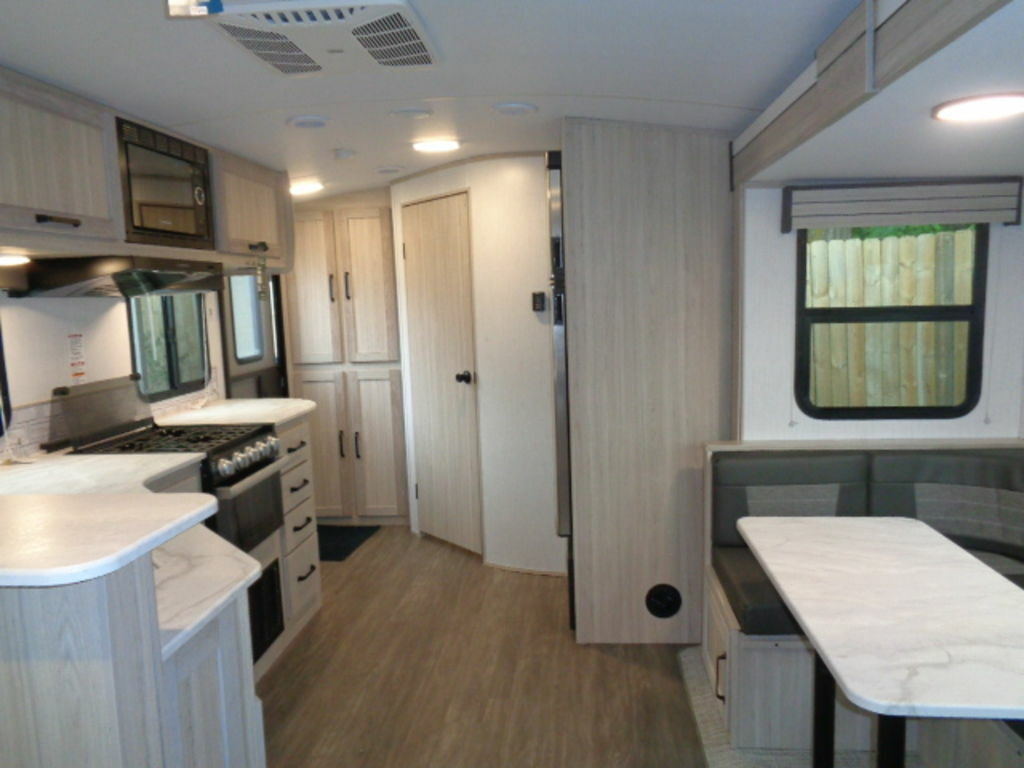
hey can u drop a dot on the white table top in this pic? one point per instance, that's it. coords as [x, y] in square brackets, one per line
[267, 410]
[908, 622]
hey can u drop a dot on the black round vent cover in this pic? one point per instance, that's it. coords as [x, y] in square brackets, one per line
[664, 601]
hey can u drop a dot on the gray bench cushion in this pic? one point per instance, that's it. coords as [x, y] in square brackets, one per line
[757, 605]
[793, 483]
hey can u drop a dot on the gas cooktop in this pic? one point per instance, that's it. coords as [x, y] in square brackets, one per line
[190, 439]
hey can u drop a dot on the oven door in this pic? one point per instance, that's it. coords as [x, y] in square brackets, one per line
[251, 510]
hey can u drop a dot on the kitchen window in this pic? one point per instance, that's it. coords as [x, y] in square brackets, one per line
[247, 318]
[169, 344]
[890, 321]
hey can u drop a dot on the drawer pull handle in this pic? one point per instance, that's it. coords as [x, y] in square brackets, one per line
[298, 447]
[359, 455]
[330, 287]
[341, 442]
[300, 486]
[45, 218]
[297, 528]
[312, 569]
[718, 676]
[348, 288]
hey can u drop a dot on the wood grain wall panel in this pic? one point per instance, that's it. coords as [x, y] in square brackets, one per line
[648, 257]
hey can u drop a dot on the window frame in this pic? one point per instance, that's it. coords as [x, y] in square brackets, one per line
[973, 314]
[177, 387]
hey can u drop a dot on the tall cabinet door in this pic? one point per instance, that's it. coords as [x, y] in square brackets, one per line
[331, 445]
[366, 259]
[378, 447]
[314, 292]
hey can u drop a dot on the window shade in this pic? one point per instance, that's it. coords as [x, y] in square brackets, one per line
[977, 201]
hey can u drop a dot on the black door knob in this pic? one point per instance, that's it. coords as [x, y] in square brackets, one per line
[464, 378]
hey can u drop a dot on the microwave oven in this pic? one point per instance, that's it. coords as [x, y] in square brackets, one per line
[166, 183]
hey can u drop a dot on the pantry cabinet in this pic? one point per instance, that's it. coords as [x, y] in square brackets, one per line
[312, 292]
[252, 210]
[57, 162]
[333, 496]
[365, 256]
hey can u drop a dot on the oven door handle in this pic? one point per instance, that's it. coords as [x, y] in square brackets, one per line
[234, 491]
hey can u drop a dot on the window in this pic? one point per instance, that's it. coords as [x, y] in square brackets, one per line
[890, 321]
[246, 318]
[169, 344]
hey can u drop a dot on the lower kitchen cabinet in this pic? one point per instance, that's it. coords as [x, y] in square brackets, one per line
[358, 442]
[211, 716]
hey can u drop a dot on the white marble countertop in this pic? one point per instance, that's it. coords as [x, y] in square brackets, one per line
[268, 410]
[196, 574]
[48, 540]
[908, 622]
[92, 473]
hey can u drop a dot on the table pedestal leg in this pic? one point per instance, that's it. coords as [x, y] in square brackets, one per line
[823, 744]
[892, 741]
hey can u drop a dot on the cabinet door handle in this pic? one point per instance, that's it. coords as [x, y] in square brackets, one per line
[298, 447]
[312, 569]
[330, 287]
[45, 218]
[358, 454]
[718, 676]
[300, 486]
[341, 442]
[297, 528]
[260, 247]
[348, 288]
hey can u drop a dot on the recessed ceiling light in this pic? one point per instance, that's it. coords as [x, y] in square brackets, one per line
[513, 108]
[387, 170]
[343, 153]
[305, 187]
[308, 121]
[13, 260]
[413, 113]
[436, 145]
[977, 109]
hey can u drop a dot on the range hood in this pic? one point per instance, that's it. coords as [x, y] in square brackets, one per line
[117, 276]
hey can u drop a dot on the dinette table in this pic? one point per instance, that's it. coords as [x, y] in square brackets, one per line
[906, 622]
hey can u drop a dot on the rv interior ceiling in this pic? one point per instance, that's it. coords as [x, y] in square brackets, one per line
[704, 65]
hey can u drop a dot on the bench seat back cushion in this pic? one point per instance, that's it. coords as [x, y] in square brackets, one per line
[975, 498]
[784, 484]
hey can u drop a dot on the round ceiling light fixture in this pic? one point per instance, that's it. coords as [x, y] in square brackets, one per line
[308, 121]
[413, 113]
[436, 145]
[980, 109]
[13, 259]
[514, 108]
[305, 187]
[344, 153]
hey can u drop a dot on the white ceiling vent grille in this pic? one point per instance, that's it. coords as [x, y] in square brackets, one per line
[393, 42]
[277, 50]
[306, 37]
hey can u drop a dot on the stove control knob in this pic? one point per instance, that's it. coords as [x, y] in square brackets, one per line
[273, 446]
[253, 454]
[241, 459]
[225, 467]
[262, 449]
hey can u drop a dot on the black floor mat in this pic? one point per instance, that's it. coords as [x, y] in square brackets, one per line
[339, 541]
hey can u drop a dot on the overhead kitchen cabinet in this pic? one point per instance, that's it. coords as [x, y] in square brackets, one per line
[366, 260]
[58, 162]
[252, 210]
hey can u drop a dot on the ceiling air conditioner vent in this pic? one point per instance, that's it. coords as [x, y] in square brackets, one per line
[393, 42]
[277, 50]
[309, 36]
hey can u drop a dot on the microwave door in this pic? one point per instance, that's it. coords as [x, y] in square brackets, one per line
[162, 192]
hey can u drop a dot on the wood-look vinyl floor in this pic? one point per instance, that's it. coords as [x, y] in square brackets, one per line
[423, 657]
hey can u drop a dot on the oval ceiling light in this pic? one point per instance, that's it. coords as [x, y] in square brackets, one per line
[514, 108]
[305, 187]
[307, 121]
[436, 145]
[413, 113]
[13, 260]
[979, 109]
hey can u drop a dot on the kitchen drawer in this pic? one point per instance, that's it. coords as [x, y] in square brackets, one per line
[295, 442]
[299, 525]
[296, 485]
[302, 577]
